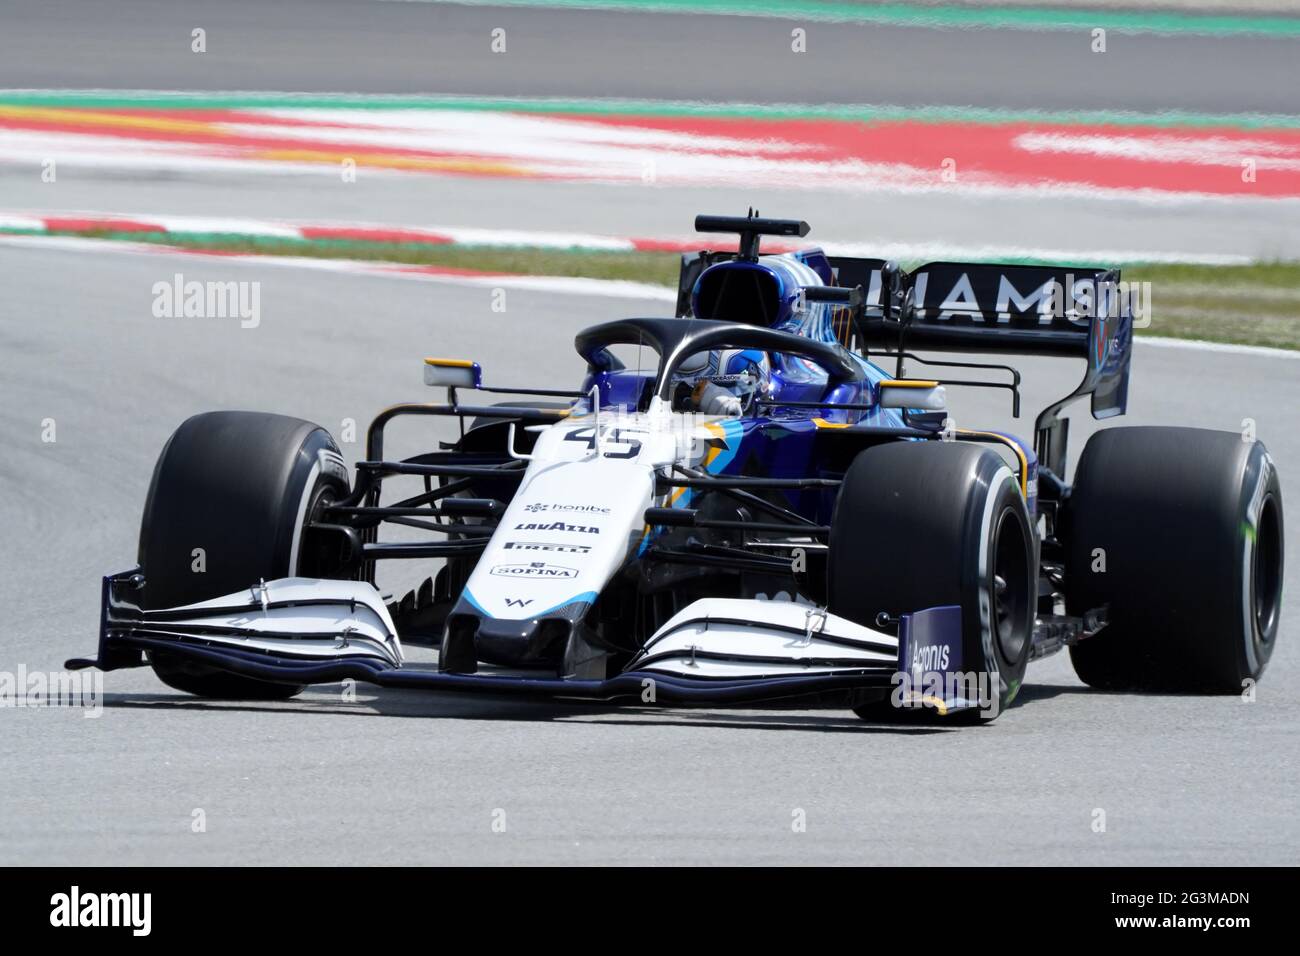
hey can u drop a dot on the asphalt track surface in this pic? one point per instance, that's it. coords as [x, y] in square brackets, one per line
[375, 47]
[402, 777]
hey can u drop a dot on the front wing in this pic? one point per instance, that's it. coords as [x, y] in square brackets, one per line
[716, 651]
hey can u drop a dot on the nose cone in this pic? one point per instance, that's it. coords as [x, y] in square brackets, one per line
[526, 642]
[568, 529]
[503, 641]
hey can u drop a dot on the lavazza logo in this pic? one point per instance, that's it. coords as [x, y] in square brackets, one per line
[557, 526]
[76, 909]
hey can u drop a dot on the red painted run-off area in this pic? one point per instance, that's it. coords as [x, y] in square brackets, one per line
[107, 224]
[1221, 161]
[1226, 161]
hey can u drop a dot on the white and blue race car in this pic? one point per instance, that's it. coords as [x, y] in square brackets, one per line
[762, 512]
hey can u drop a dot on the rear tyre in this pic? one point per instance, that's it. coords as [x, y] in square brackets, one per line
[925, 524]
[230, 496]
[1179, 531]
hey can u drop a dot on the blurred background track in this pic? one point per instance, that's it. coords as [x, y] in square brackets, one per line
[367, 46]
[1209, 102]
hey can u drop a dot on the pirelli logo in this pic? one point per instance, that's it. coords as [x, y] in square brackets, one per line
[547, 546]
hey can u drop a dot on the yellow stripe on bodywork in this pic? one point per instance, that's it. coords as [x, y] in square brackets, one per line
[908, 383]
[926, 700]
[449, 363]
[716, 430]
[993, 436]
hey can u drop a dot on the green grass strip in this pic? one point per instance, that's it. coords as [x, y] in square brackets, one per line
[1257, 304]
[944, 17]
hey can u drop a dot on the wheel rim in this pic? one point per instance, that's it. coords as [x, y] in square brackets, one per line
[1010, 586]
[315, 562]
[1266, 570]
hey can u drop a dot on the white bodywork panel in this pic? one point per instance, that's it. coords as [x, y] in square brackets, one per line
[751, 634]
[580, 509]
[316, 624]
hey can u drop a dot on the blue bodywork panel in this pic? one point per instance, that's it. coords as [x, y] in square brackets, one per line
[783, 441]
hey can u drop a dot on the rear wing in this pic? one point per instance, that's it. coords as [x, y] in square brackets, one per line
[1013, 309]
[1067, 311]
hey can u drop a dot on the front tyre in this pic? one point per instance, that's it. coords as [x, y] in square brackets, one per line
[1179, 531]
[926, 524]
[230, 497]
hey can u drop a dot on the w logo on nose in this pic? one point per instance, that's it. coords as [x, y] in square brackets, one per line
[518, 602]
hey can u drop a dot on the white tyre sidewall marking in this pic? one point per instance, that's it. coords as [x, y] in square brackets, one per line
[298, 523]
[1003, 474]
[1254, 508]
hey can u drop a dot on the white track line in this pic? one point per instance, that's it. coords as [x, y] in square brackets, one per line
[1201, 345]
[520, 238]
[565, 285]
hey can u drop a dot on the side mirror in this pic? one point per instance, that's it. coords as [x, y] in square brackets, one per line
[839, 295]
[452, 373]
[912, 393]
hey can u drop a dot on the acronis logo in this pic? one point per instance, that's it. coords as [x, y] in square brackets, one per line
[930, 658]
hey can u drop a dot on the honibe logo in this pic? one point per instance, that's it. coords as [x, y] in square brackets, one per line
[75, 909]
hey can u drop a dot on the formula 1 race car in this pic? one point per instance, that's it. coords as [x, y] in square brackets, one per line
[758, 512]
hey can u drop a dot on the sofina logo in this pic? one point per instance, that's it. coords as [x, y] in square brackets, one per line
[534, 569]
